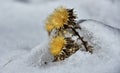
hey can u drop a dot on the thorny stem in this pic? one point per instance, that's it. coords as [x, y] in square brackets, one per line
[81, 21]
[84, 42]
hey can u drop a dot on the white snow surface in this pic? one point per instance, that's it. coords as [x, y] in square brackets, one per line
[24, 40]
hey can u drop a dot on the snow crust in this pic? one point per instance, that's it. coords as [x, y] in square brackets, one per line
[24, 41]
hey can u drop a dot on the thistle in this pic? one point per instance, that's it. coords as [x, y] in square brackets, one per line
[56, 45]
[60, 17]
[63, 25]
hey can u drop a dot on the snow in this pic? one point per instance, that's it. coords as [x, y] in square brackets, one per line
[24, 41]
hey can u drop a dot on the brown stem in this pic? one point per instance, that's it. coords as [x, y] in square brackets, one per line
[81, 38]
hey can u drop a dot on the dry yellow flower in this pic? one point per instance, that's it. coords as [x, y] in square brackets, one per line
[57, 45]
[62, 13]
[58, 19]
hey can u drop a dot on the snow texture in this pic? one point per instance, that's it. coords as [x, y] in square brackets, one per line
[24, 40]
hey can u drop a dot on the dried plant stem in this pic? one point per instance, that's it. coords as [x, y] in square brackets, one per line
[81, 38]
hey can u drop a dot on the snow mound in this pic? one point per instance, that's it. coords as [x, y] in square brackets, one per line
[40, 55]
[105, 58]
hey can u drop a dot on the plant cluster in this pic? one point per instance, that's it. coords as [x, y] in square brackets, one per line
[64, 37]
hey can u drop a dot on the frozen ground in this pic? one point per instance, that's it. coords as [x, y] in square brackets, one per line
[23, 39]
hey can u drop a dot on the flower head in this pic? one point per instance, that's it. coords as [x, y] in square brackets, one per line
[62, 13]
[58, 19]
[57, 45]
